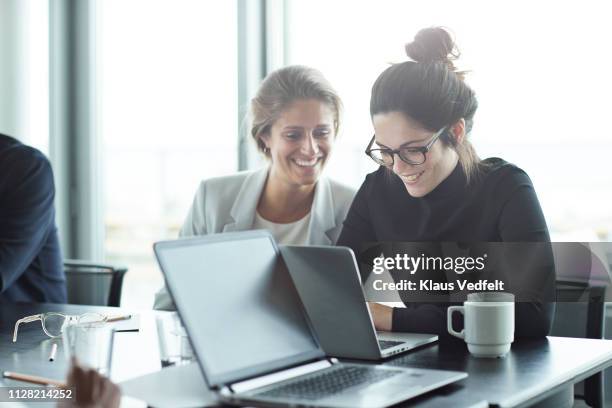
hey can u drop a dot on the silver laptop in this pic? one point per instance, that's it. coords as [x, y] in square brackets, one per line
[252, 338]
[328, 281]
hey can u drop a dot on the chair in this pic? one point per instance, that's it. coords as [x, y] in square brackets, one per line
[582, 278]
[90, 283]
[581, 313]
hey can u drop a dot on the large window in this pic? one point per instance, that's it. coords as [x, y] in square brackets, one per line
[24, 74]
[169, 119]
[37, 89]
[539, 69]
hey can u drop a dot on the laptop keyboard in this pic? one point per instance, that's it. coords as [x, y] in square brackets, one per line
[385, 344]
[330, 382]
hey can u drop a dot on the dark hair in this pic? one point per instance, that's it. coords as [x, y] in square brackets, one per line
[284, 86]
[431, 91]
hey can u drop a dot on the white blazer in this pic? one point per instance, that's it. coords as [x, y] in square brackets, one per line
[229, 203]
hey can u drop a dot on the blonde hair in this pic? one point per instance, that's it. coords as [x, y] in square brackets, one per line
[281, 88]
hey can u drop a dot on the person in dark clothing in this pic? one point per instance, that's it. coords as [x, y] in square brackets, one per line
[30, 256]
[433, 187]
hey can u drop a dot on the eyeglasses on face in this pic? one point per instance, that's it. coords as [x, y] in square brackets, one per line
[413, 155]
[53, 323]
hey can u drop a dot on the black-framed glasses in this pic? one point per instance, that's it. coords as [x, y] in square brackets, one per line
[409, 154]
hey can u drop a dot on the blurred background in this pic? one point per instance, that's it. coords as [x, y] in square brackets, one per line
[136, 101]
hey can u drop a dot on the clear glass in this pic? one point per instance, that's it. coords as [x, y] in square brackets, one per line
[53, 323]
[174, 346]
[91, 344]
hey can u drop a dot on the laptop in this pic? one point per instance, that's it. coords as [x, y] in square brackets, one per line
[252, 338]
[328, 281]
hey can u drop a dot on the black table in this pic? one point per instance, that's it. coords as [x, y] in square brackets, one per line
[532, 372]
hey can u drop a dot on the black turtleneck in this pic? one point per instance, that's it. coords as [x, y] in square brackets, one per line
[499, 204]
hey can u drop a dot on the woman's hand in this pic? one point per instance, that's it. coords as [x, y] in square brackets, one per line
[92, 390]
[382, 316]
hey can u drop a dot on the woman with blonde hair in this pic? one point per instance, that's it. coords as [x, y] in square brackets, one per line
[295, 121]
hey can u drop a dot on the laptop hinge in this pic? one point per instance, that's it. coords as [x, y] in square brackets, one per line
[268, 379]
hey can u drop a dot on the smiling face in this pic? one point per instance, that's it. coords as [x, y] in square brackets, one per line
[395, 130]
[300, 142]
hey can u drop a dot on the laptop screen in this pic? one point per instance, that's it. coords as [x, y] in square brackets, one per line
[238, 304]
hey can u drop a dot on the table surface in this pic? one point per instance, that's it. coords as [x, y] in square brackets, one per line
[134, 353]
[532, 371]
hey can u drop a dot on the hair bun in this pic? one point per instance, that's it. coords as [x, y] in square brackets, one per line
[433, 44]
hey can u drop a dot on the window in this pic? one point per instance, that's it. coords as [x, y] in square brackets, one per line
[169, 119]
[24, 76]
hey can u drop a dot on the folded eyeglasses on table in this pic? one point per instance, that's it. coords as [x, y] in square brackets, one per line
[53, 323]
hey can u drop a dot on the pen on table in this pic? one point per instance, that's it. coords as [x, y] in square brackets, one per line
[53, 352]
[34, 379]
[118, 318]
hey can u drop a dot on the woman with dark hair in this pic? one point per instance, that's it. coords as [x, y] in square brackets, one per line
[432, 186]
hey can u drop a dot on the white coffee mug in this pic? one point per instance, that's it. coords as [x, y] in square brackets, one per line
[488, 323]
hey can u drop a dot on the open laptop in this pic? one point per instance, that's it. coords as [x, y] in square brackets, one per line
[328, 281]
[252, 337]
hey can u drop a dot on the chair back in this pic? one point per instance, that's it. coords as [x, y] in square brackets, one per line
[580, 309]
[90, 283]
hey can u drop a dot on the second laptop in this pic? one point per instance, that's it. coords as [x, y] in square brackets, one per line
[328, 282]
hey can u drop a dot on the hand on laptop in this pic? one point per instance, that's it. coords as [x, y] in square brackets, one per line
[92, 389]
[382, 316]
